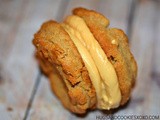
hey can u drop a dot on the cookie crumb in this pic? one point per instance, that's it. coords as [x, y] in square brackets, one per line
[114, 42]
[9, 109]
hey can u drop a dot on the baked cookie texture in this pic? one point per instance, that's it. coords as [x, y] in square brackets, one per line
[60, 60]
[56, 52]
[114, 42]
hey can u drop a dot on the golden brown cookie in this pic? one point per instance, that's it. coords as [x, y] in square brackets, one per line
[115, 45]
[62, 63]
[89, 65]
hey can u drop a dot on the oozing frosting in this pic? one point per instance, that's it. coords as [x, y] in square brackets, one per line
[101, 71]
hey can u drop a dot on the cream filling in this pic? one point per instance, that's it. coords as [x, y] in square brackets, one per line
[101, 71]
[88, 61]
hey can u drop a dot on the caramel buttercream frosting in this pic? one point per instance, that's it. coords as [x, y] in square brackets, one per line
[101, 71]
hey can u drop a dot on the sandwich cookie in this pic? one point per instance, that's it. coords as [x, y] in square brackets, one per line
[89, 65]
